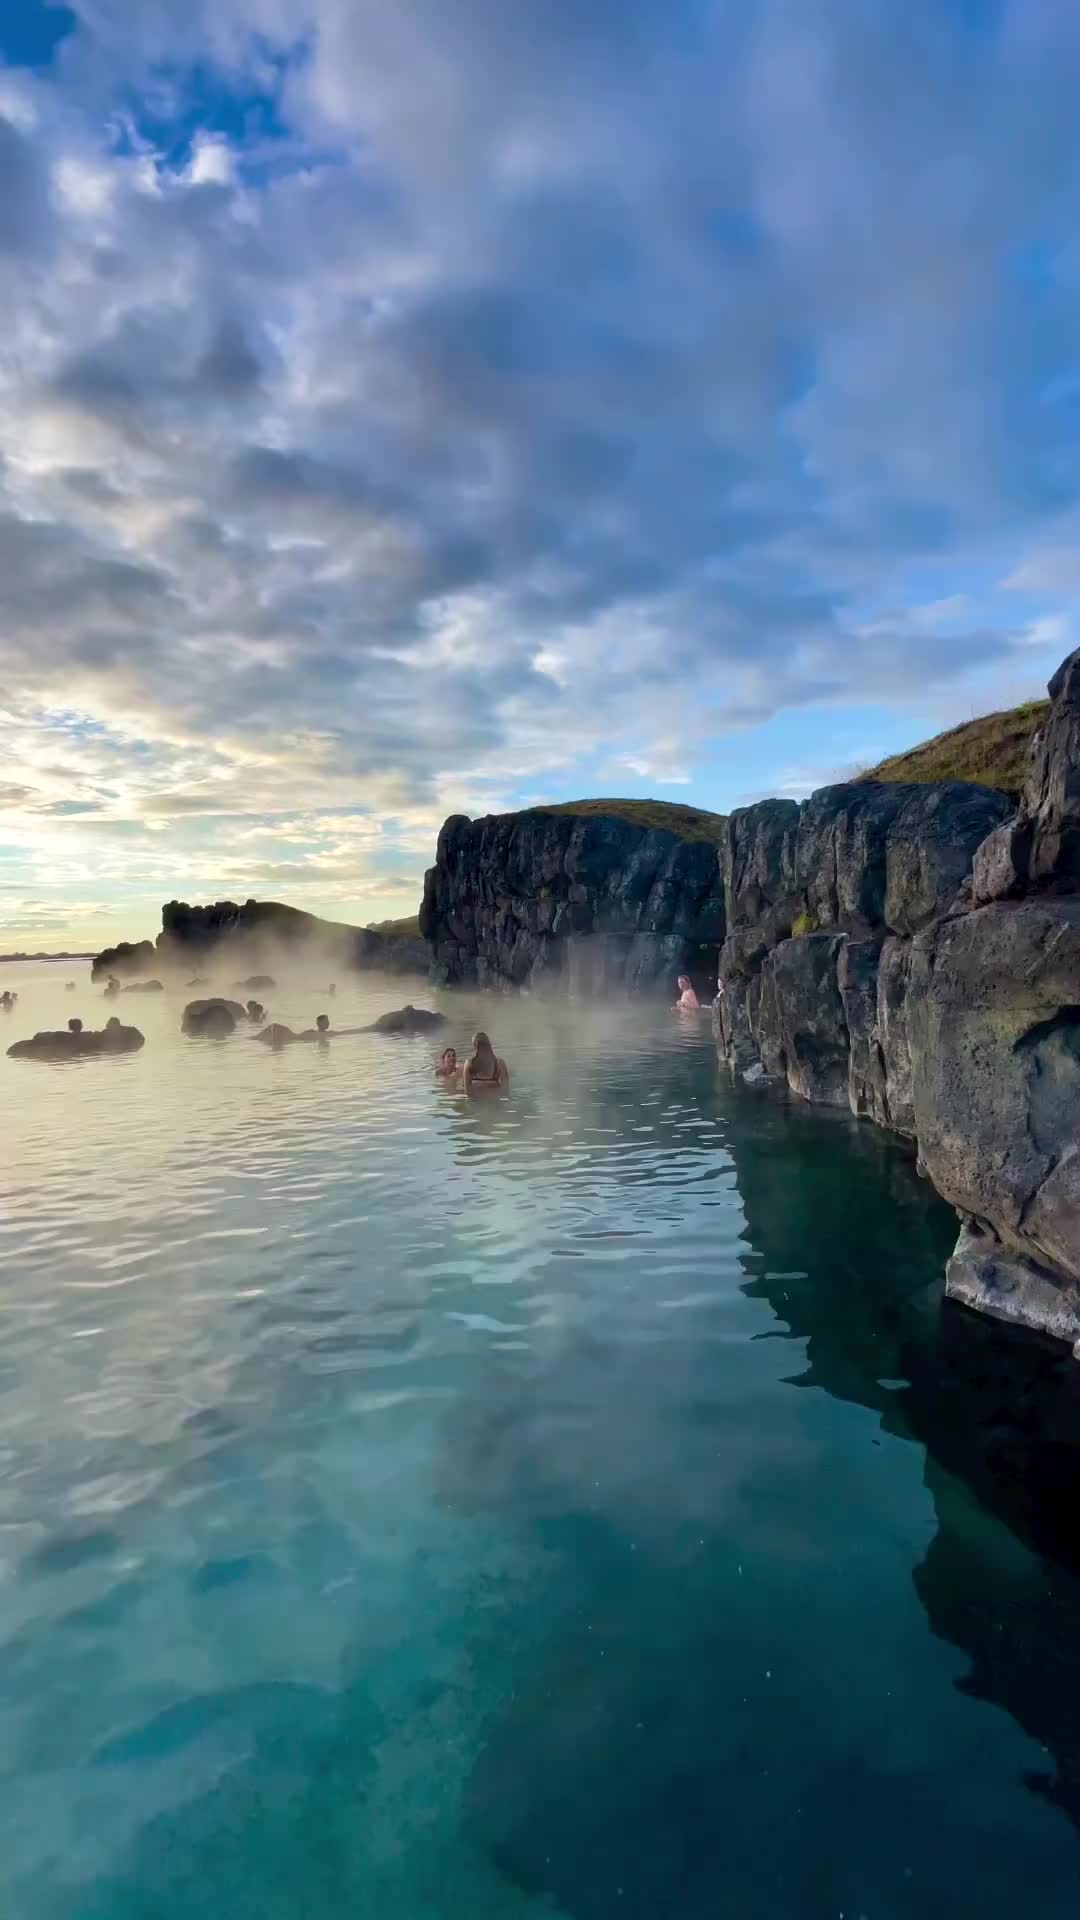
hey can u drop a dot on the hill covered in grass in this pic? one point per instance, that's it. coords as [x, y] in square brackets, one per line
[687, 823]
[990, 751]
[406, 929]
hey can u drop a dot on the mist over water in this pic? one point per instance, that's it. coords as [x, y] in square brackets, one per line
[564, 1507]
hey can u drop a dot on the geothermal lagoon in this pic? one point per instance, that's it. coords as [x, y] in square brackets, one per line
[578, 1506]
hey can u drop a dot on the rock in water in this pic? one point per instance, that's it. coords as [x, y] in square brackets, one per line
[211, 1019]
[78, 1045]
[408, 1020]
[125, 961]
[145, 986]
[254, 982]
[277, 1036]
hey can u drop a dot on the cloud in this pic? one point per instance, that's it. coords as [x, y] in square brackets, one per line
[402, 402]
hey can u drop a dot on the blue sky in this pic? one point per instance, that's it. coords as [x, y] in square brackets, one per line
[442, 405]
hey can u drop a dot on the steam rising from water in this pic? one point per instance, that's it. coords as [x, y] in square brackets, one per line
[443, 1508]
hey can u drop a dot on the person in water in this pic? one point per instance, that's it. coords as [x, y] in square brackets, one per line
[688, 1001]
[483, 1070]
[447, 1068]
[74, 1026]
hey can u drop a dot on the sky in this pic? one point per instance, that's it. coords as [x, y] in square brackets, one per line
[423, 406]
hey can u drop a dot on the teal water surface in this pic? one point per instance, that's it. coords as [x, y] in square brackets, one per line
[576, 1506]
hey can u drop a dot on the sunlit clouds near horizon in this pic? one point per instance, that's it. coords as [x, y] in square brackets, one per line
[420, 407]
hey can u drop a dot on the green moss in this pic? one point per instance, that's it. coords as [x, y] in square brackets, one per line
[687, 823]
[803, 924]
[990, 751]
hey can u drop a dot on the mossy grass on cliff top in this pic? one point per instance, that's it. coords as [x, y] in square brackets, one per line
[989, 752]
[406, 929]
[688, 823]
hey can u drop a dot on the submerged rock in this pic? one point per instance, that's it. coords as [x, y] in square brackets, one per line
[75, 1044]
[254, 982]
[145, 986]
[407, 1020]
[211, 1019]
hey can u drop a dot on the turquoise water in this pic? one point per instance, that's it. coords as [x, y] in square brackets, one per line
[577, 1505]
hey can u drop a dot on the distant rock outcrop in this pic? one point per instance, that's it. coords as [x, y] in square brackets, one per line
[211, 1019]
[913, 953]
[129, 961]
[254, 935]
[592, 902]
[75, 1044]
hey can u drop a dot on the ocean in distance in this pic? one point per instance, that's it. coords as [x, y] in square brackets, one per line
[577, 1506]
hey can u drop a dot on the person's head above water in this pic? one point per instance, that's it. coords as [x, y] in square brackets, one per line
[482, 1059]
[323, 1023]
[448, 1060]
[74, 1026]
[683, 982]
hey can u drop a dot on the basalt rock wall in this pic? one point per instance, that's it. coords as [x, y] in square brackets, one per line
[590, 903]
[913, 953]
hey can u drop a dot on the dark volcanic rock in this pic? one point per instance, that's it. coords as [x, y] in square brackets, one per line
[1052, 791]
[255, 935]
[859, 858]
[593, 902]
[211, 1019]
[407, 1020]
[802, 1032]
[278, 1036]
[126, 961]
[145, 986]
[934, 986]
[79, 1045]
[994, 1030]
[253, 983]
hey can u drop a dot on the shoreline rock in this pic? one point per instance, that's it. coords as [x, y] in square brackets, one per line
[914, 954]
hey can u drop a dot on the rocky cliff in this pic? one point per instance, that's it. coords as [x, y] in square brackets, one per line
[261, 932]
[592, 902]
[914, 953]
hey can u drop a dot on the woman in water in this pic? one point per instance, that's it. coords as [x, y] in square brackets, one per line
[688, 1001]
[447, 1068]
[484, 1071]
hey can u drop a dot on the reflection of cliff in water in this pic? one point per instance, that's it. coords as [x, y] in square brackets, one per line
[996, 1407]
[999, 1415]
[701, 1738]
